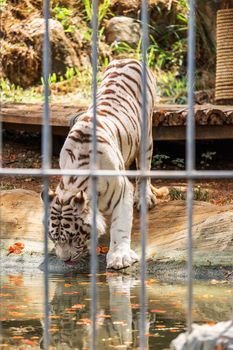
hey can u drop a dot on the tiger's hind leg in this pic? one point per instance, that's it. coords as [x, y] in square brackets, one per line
[150, 190]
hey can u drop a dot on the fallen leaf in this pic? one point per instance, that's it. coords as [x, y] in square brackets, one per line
[150, 281]
[104, 250]
[16, 314]
[16, 248]
[29, 342]
[158, 311]
[17, 337]
[103, 316]
[78, 306]
[211, 323]
[134, 306]
[19, 245]
[53, 330]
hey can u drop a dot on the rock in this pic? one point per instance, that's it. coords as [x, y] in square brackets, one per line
[22, 51]
[123, 29]
[205, 337]
[126, 8]
[22, 215]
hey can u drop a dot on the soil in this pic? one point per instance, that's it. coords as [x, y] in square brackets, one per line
[23, 150]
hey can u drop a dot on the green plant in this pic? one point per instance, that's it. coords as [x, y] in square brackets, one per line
[200, 195]
[10, 91]
[6, 186]
[103, 9]
[158, 161]
[178, 162]
[3, 3]
[172, 87]
[176, 194]
[64, 15]
[70, 73]
[207, 158]
[53, 78]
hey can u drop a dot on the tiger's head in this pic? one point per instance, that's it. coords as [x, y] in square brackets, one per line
[70, 225]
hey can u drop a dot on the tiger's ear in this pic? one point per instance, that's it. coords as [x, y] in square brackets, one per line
[80, 201]
[51, 195]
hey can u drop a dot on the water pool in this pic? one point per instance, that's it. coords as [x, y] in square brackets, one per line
[118, 310]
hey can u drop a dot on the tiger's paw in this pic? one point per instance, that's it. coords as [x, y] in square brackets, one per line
[151, 199]
[121, 258]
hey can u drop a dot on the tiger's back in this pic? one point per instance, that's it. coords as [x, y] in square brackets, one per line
[119, 105]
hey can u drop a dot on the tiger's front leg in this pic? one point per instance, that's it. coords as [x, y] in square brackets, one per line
[120, 254]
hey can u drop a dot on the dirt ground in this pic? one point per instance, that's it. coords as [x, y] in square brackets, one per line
[23, 150]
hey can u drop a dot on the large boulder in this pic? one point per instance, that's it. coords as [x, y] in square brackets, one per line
[22, 51]
[123, 29]
[22, 215]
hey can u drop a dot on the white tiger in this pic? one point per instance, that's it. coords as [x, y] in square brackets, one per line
[119, 121]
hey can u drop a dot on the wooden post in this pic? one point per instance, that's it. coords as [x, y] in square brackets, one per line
[224, 64]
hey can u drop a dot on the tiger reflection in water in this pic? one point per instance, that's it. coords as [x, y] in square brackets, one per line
[117, 322]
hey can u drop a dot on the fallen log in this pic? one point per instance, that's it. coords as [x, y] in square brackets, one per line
[164, 115]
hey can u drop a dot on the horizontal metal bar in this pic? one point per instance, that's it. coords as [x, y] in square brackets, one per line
[160, 174]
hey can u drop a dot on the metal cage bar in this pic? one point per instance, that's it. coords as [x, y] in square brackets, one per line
[93, 178]
[46, 164]
[143, 189]
[190, 157]
[156, 174]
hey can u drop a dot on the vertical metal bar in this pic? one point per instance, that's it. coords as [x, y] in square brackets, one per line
[46, 153]
[190, 155]
[143, 212]
[1, 156]
[94, 179]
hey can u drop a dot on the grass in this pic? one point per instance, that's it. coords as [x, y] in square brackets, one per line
[199, 194]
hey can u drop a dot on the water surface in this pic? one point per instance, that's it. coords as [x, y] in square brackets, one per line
[118, 314]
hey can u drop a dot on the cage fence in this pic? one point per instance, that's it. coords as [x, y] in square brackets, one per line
[189, 174]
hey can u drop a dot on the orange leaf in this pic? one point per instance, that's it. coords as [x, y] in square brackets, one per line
[78, 306]
[29, 342]
[19, 245]
[158, 311]
[11, 249]
[17, 337]
[103, 316]
[17, 251]
[53, 330]
[98, 250]
[134, 306]
[104, 250]
[16, 314]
